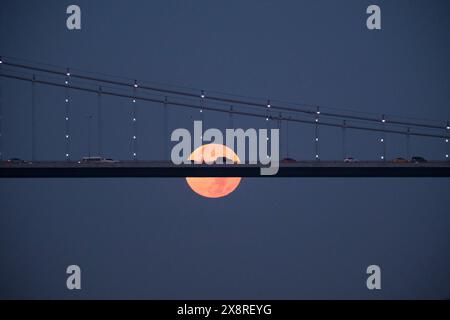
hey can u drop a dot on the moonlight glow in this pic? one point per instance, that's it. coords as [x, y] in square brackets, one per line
[213, 187]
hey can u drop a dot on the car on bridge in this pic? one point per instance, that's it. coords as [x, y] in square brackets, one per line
[17, 161]
[400, 160]
[288, 160]
[96, 159]
[350, 160]
[225, 160]
[417, 159]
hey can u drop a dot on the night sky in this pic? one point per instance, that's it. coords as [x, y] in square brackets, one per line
[273, 238]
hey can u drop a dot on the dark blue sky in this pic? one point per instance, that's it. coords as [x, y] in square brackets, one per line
[272, 238]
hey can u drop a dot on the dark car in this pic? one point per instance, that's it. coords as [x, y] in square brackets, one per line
[96, 159]
[16, 160]
[225, 160]
[418, 160]
[219, 160]
[288, 160]
[90, 160]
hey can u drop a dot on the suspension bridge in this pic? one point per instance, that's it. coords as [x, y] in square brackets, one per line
[137, 94]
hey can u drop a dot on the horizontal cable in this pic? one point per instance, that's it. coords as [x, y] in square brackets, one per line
[228, 100]
[199, 107]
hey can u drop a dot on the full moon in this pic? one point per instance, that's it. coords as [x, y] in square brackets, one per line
[213, 187]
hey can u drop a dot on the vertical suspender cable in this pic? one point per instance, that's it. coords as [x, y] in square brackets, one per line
[344, 140]
[134, 123]
[231, 124]
[447, 128]
[166, 137]
[67, 115]
[33, 119]
[1, 111]
[99, 122]
[408, 150]
[383, 139]
[316, 138]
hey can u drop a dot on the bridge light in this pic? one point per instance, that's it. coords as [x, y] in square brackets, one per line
[67, 100]
[67, 136]
[317, 139]
[382, 157]
[446, 140]
[66, 82]
[317, 156]
[134, 119]
[134, 154]
[67, 155]
[317, 119]
[267, 119]
[67, 118]
[134, 100]
[381, 140]
[268, 104]
[135, 84]
[134, 137]
[202, 95]
[446, 155]
[448, 126]
[201, 110]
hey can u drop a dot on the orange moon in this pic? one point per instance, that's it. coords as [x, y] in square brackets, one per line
[213, 187]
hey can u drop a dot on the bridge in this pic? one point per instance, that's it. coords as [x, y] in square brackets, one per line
[140, 169]
[135, 95]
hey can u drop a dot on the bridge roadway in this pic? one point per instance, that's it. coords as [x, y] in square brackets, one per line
[134, 169]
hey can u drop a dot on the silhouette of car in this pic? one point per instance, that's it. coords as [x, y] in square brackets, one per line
[418, 159]
[288, 160]
[219, 160]
[225, 160]
[96, 159]
[350, 160]
[16, 160]
[400, 160]
[90, 159]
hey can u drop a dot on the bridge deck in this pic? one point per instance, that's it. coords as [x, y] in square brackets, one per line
[165, 169]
